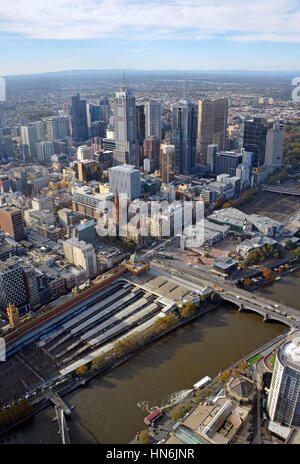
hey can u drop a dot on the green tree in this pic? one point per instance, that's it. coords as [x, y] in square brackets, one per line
[188, 310]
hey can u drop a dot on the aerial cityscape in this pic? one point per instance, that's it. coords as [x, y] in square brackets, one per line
[149, 226]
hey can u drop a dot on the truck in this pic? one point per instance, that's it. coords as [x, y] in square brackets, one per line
[202, 383]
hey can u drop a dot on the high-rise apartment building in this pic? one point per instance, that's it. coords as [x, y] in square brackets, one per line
[254, 140]
[212, 123]
[104, 110]
[79, 119]
[126, 180]
[153, 119]
[126, 151]
[11, 221]
[274, 145]
[284, 394]
[184, 135]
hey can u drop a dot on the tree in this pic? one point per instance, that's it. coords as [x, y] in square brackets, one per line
[288, 244]
[243, 366]
[178, 414]
[82, 370]
[188, 310]
[188, 406]
[144, 437]
[267, 273]
[225, 376]
[235, 372]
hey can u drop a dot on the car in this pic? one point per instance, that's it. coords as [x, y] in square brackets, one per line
[238, 296]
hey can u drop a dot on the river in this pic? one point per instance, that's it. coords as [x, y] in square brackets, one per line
[111, 408]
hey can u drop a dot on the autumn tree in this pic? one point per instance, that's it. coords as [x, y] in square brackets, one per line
[235, 372]
[243, 366]
[267, 273]
[144, 437]
[82, 370]
[225, 376]
[188, 310]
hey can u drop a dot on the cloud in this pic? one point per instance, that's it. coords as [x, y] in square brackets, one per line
[237, 20]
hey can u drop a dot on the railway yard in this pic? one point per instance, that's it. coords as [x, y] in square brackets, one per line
[95, 324]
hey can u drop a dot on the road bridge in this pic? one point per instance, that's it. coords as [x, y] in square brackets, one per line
[243, 299]
[282, 190]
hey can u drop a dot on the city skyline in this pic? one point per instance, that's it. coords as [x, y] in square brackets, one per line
[165, 35]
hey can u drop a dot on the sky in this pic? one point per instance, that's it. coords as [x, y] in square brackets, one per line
[54, 35]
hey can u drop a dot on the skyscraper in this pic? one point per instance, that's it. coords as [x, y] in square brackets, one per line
[79, 119]
[254, 140]
[184, 135]
[126, 150]
[153, 119]
[212, 123]
[284, 395]
[44, 151]
[167, 155]
[57, 128]
[274, 145]
[125, 180]
[30, 138]
[104, 110]
[140, 122]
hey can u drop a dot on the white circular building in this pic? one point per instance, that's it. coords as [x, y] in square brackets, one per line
[284, 395]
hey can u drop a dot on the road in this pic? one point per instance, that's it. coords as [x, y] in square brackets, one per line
[194, 276]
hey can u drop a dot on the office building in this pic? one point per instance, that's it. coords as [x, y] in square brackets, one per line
[126, 151]
[140, 123]
[212, 123]
[226, 162]
[44, 151]
[83, 153]
[81, 254]
[153, 119]
[254, 140]
[151, 149]
[25, 151]
[93, 113]
[167, 159]
[79, 119]
[11, 221]
[148, 165]
[89, 170]
[30, 138]
[12, 285]
[274, 145]
[284, 394]
[212, 150]
[42, 203]
[184, 135]
[57, 128]
[104, 110]
[126, 180]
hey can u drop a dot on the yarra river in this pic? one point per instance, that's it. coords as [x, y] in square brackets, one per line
[111, 408]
